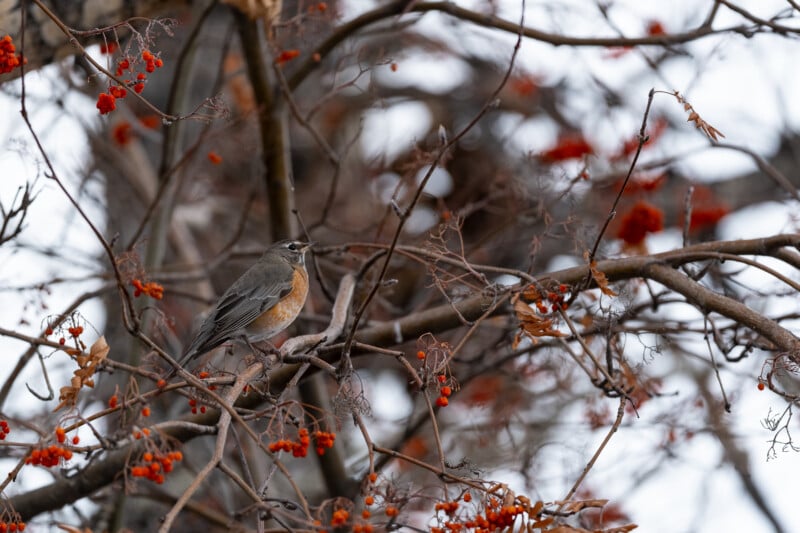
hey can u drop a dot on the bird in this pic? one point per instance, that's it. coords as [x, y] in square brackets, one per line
[264, 301]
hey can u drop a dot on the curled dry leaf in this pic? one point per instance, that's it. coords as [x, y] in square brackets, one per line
[531, 294]
[83, 375]
[532, 324]
[576, 506]
[712, 132]
[599, 278]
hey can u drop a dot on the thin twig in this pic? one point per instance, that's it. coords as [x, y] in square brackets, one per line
[593, 460]
[613, 211]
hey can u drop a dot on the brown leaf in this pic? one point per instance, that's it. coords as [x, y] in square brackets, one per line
[531, 293]
[82, 376]
[600, 278]
[67, 396]
[99, 349]
[695, 117]
[534, 325]
[712, 132]
[621, 529]
[579, 505]
[537, 508]
[543, 523]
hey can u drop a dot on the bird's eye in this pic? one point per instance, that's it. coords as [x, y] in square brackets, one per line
[292, 246]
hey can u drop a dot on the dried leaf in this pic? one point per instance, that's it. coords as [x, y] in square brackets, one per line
[509, 497]
[543, 523]
[534, 325]
[537, 508]
[99, 349]
[531, 293]
[576, 506]
[83, 375]
[67, 396]
[621, 529]
[600, 278]
[710, 131]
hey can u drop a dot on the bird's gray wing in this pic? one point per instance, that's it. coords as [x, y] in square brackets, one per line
[249, 296]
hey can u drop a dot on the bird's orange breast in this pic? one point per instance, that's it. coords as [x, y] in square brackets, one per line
[279, 316]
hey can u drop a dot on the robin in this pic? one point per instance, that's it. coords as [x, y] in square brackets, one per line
[264, 301]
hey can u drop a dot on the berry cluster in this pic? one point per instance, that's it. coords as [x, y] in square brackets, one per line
[75, 332]
[4, 429]
[108, 48]
[47, 457]
[151, 289]
[61, 435]
[391, 511]
[195, 408]
[8, 60]
[156, 465]
[369, 500]
[139, 434]
[299, 448]
[15, 525]
[641, 219]
[444, 391]
[555, 299]
[107, 102]
[340, 517]
[340, 520]
[497, 516]
[323, 440]
[449, 508]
